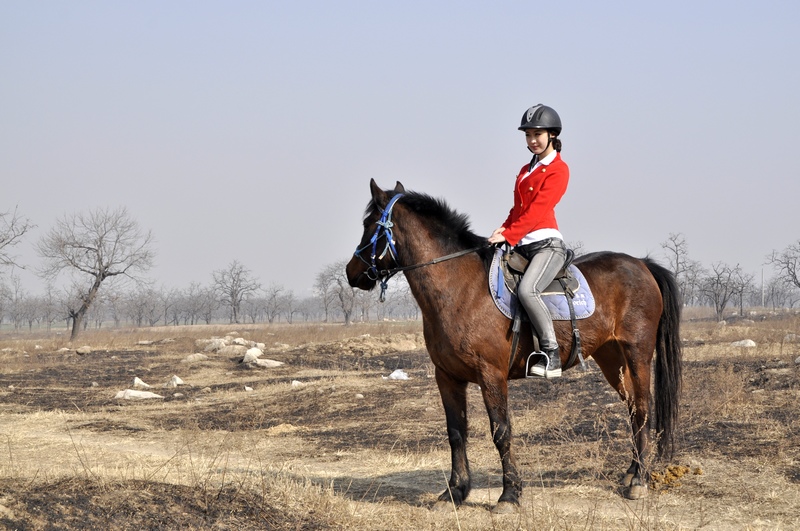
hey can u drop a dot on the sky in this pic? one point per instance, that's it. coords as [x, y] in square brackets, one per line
[249, 130]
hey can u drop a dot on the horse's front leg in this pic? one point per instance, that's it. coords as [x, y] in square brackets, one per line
[454, 399]
[495, 395]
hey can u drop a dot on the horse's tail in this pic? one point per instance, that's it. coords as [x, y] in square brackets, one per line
[668, 359]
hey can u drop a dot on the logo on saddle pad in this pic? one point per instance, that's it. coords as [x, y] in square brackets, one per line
[554, 297]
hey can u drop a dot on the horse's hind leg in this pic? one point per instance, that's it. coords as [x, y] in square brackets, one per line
[631, 379]
[454, 399]
[495, 396]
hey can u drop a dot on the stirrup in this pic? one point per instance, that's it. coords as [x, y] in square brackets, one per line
[541, 368]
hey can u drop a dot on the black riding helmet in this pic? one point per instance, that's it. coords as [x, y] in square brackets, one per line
[541, 117]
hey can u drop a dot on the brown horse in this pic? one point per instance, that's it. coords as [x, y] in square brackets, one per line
[636, 321]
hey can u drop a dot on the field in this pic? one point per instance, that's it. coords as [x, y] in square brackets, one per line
[326, 441]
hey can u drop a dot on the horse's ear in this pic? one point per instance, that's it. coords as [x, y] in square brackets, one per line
[399, 188]
[378, 195]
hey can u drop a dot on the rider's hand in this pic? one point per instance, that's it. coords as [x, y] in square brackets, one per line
[497, 236]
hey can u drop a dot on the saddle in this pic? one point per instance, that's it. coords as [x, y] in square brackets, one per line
[513, 266]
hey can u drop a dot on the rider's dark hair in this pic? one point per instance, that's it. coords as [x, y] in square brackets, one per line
[557, 144]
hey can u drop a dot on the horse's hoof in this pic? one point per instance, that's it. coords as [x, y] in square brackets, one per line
[627, 480]
[636, 492]
[505, 507]
[443, 507]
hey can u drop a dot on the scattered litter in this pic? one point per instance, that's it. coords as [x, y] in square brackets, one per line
[248, 389]
[130, 394]
[398, 374]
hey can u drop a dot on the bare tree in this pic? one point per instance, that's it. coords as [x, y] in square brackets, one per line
[234, 284]
[12, 228]
[290, 306]
[94, 247]
[720, 285]
[742, 285]
[324, 287]
[273, 301]
[687, 271]
[787, 263]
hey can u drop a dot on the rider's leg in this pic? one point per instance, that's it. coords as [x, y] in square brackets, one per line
[543, 267]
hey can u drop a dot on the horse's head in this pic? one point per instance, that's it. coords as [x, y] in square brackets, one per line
[376, 250]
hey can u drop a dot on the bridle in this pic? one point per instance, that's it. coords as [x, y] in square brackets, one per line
[384, 228]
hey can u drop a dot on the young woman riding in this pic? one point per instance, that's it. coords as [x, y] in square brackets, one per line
[532, 230]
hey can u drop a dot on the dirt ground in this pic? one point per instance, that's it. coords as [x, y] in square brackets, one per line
[327, 441]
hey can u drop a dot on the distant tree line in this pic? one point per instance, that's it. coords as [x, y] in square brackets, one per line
[722, 286]
[103, 255]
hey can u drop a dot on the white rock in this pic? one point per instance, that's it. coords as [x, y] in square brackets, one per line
[746, 343]
[251, 355]
[137, 382]
[64, 349]
[241, 341]
[248, 389]
[130, 394]
[797, 360]
[192, 358]
[37, 347]
[232, 350]
[297, 383]
[178, 395]
[86, 349]
[267, 364]
[144, 343]
[215, 345]
[173, 382]
[398, 374]
[359, 395]
[95, 384]
[261, 346]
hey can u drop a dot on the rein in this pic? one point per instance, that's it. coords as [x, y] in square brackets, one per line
[384, 228]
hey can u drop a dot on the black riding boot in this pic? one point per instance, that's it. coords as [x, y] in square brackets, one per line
[549, 366]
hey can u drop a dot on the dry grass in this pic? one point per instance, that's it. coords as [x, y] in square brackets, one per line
[350, 450]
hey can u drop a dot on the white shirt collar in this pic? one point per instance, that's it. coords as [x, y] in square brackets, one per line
[544, 162]
[549, 158]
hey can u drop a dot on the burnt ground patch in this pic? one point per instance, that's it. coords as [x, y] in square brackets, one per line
[87, 504]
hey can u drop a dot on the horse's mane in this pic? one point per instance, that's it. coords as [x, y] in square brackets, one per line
[450, 228]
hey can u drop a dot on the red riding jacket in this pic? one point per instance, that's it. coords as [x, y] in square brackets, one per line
[535, 199]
